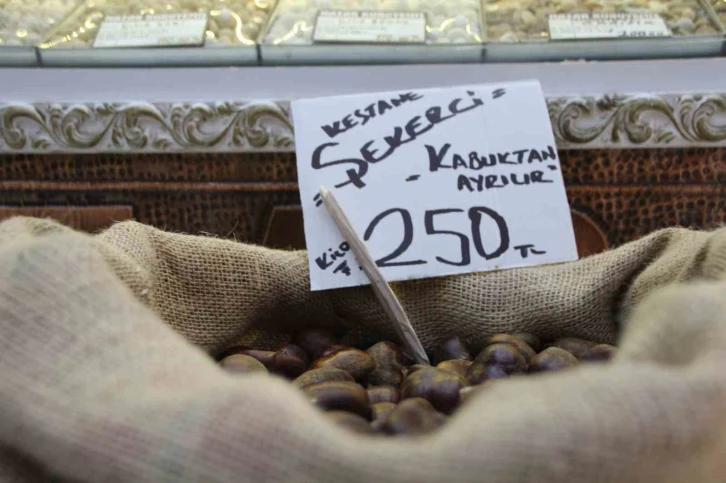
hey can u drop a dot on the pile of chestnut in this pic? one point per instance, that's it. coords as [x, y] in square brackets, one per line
[382, 391]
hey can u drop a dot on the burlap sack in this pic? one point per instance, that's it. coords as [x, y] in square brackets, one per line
[96, 388]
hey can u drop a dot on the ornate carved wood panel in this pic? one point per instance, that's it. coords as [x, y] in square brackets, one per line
[615, 121]
[618, 195]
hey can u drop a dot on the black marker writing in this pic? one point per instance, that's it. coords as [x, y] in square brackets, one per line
[413, 128]
[440, 158]
[405, 242]
[476, 215]
[478, 234]
[362, 116]
[343, 267]
[525, 250]
[326, 260]
[376, 151]
[355, 176]
[482, 182]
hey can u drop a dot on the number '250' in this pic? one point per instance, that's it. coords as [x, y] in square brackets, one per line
[475, 216]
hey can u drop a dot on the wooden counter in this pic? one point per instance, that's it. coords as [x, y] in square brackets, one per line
[615, 195]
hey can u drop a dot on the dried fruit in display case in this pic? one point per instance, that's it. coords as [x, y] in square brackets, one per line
[26, 23]
[447, 22]
[720, 8]
[527, 20]
[232, 23]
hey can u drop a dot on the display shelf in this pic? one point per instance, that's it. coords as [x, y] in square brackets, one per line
[527, 20]
[520, 30]
[62, 33]
[452, 32]
[23, 25]
[591, 104]
[150, 57]
[18, 56]
[719, 7]
[232, 27]
[604, 49]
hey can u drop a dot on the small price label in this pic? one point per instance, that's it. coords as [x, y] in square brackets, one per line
[362, 26]
[159, 30]
[435, 181]
[579, 26]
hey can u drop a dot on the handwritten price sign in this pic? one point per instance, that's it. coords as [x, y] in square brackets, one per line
[436, 181]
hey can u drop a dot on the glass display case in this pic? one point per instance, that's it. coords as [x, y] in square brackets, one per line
[24, 24]
[720, 8]
[312, 32]
[522, 29]
[229, 38]
[451, 30]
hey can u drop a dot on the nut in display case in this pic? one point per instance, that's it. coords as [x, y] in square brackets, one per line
[367, 31]
[532, 29]
[113, 32]
[24, 23]
[720, 7]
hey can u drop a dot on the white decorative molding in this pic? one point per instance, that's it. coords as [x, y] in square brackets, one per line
[611, 121]
[141, 127]
[633, 121]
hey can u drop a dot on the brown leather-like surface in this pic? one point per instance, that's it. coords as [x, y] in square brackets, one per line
[616, 195]
[85, 218]
[589, 237]
[285, 229]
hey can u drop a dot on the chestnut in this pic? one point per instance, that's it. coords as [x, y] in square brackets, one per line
[339, 395]
[520, 344]
[600, 352]
[439, 387]
[383, 394]
[532, 340]
[354, 361]
[416, 367]
[505, 355]
[459, 366]
[314, 341]
[479, 373]
[293, 350]
[552, 359]
[413, 417]
[576, 347]
[390, 353]
[389, 361]
[278, 363]
[452, 348]
[332, 348]
[324, 374]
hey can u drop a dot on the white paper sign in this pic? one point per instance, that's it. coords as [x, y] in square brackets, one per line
[567, 26]
[162, 30]
[436, 181]
[357, 26]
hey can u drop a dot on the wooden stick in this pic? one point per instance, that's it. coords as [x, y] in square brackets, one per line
[383, 291]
